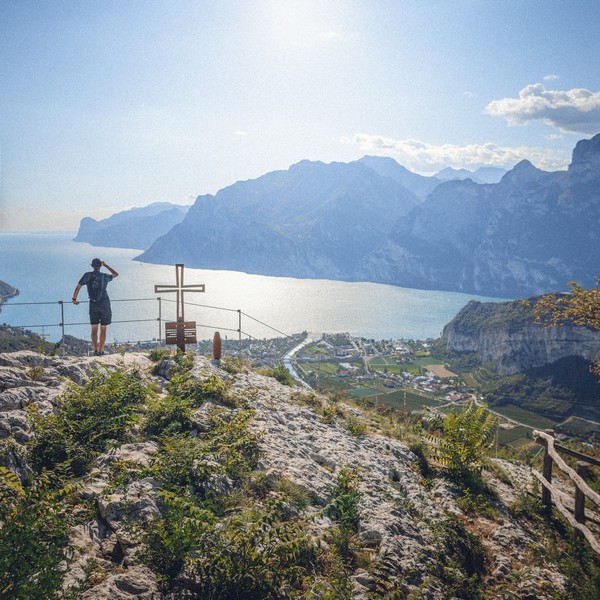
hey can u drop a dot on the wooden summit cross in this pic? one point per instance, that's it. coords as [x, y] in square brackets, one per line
[180, 332]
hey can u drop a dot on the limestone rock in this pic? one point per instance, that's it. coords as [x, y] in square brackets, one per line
[138, 502]
[397, 512]
[135, 582]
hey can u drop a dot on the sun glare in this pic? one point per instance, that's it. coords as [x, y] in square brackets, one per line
[297, 28]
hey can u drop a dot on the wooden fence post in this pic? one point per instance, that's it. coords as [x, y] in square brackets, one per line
[547, 473]
[582, 469]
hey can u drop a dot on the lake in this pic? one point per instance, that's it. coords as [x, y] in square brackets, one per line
[46, 268]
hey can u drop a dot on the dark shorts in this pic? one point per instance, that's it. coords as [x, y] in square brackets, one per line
[100, 313]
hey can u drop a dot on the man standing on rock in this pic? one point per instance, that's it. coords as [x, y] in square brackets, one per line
[100, 312]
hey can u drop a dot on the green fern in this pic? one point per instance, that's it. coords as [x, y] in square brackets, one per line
[466, 437]
[385, 573]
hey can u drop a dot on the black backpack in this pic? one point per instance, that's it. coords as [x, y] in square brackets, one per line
[95, 286]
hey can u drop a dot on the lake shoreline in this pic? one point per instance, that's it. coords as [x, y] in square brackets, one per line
[46, 267]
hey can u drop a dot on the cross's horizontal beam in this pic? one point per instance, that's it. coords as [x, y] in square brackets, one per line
[192, 287]
[180, 289]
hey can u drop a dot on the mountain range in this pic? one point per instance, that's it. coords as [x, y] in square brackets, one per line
[373, 220]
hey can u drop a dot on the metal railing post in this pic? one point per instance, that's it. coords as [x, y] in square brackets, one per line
[240, 324]
[62, 325]
[159, 320]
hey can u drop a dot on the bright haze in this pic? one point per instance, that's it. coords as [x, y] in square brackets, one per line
[107, 105]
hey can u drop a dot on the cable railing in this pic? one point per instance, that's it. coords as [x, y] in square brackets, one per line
[64, 326]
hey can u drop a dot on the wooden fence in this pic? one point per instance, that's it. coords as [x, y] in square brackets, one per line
[552, 495]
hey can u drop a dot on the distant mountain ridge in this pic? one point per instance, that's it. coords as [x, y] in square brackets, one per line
[134, 228]
[419, 185]
[531, 233]
[373, 220]
[312, 220]
[481, 175]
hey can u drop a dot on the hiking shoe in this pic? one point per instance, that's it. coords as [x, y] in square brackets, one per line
[96, 353]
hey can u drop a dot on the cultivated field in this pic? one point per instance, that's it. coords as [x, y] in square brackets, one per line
[440, 371]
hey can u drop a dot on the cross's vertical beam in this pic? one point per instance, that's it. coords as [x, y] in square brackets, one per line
[179, 284]
[182, 329]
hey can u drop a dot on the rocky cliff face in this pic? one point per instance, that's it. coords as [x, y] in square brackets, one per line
[399, 516]
[531, 233]
[505, 335]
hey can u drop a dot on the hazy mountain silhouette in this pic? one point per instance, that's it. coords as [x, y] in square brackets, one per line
[373, 220]
[135, 228]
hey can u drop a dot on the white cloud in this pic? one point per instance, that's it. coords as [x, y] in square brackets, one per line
[571, 111]
[422, 157]
[241, 133]
[550, 77]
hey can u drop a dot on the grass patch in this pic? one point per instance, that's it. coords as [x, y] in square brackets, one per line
[362, 392]
[414, 401]
[323, 368]
[508, 437]
[379, 362]
[525, 416]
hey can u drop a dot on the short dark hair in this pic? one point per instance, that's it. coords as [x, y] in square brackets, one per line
[96, 262]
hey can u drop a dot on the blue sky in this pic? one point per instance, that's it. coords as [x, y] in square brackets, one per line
[106, 105]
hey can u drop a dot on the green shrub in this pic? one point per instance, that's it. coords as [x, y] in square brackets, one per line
[168, 415]
[88, 418]
[293, 493]
[261, 483]
[232, 443]
[419, 449]
[169, 540]
[185, 462]
[228, 448]
[34, 531]
[234, 364]
[159, 353]
[461, 560]
[198, 392]
[184, 361]
[254, 555]
[354, 426]
[343, 507]
[466, 438]
[477, 504]
[328, 413]
[282, 375]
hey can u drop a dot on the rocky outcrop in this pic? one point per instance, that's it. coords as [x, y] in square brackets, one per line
[398, 513]
[586, 160]
[29, 378]
[506, 335]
